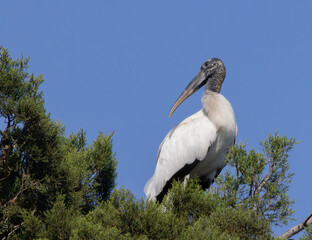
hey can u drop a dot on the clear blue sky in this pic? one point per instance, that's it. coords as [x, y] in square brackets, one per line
[120, 65]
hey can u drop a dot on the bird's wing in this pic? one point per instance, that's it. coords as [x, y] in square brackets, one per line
[188, 142]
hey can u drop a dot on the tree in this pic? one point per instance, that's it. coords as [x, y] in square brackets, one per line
[92, 169]
[39, 166]
[260, 181]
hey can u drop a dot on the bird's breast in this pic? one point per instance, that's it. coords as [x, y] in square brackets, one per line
[219, 112]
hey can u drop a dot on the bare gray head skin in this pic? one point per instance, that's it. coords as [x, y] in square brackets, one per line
[215, 71]
[212, 73]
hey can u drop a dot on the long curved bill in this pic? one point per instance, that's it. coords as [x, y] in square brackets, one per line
[198, 81]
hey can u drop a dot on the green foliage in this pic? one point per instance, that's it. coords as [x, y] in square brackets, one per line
[30, 143]
[260, 181]
[230, 223]
[33, 226]
[92, 169]
[188, 201]
[58, 219]
[130, 218]
[125, 217]
[45, 178]
[213, 216]
[103, 165]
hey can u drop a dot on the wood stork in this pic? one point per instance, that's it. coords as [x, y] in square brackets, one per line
[196, 146]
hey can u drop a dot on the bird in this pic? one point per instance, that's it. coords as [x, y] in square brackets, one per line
[196, 147]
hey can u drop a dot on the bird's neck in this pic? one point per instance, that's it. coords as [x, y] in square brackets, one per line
[214, 82]
[210, 101]
[217, 108]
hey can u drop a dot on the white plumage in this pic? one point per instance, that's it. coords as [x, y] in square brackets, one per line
[196, 146]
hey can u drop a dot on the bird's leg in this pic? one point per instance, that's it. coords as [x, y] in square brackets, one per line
[186, 179]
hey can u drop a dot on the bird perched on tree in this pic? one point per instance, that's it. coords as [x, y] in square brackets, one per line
[196, 146]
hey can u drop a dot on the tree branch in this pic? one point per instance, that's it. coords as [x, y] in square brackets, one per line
[14, 229]
[265, 179]
[22, 189]
[5, 161]
[5, 147]
[298, 228]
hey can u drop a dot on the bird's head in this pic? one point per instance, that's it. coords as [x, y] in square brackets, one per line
[211, 74]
